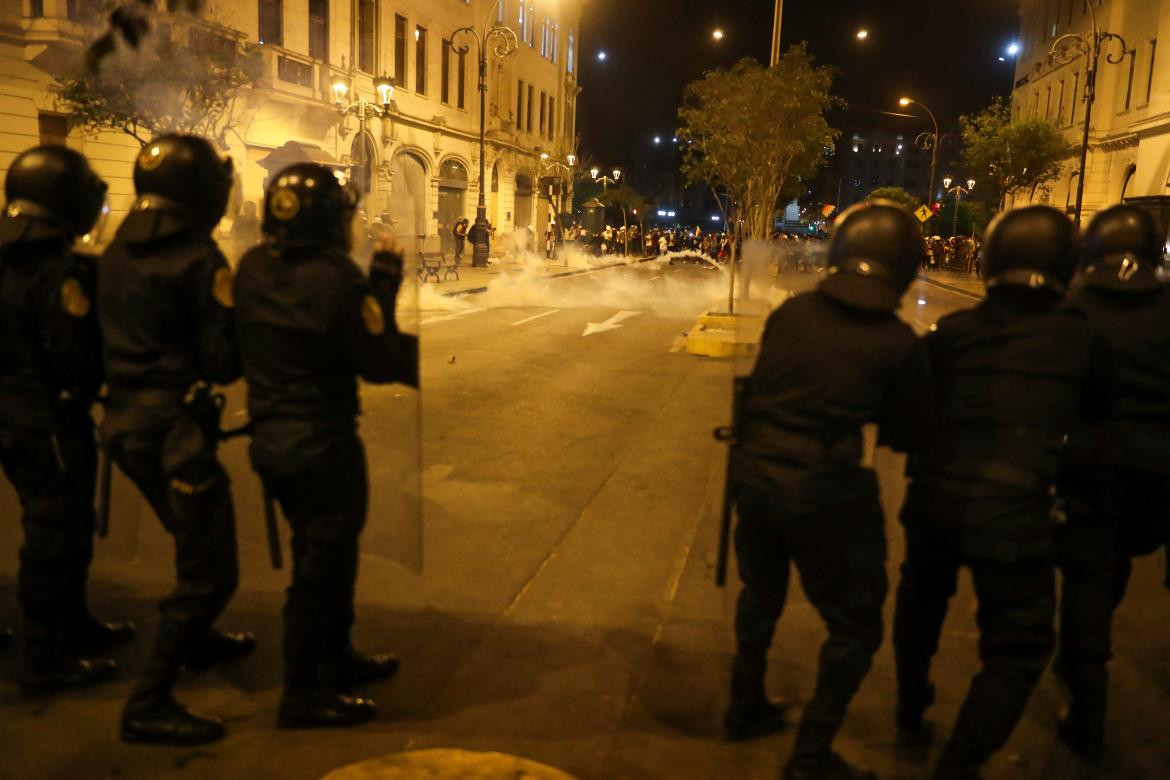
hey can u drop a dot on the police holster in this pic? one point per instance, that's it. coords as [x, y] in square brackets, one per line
[189, 451]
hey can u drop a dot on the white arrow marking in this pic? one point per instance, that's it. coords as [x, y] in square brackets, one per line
[536, 317]
[613, 323]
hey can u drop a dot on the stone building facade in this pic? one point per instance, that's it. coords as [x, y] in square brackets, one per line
[419, 162]
[1129, 135]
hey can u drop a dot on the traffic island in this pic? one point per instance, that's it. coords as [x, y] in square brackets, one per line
[444, 764]
[720, 334]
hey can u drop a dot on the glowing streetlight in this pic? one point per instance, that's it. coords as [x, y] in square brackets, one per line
[602, 56]
[862, 35]
[340, 90]
[1013, 49]
[385, 88]
[717, 35]
[928, 141]
[657, 139]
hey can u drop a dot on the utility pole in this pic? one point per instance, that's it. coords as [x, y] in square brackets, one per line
[776, 32]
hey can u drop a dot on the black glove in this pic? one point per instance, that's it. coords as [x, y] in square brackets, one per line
[386, 276]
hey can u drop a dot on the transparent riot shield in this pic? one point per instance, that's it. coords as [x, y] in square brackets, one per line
[138, 547]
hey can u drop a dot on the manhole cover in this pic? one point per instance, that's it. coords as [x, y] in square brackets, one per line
[447, 764]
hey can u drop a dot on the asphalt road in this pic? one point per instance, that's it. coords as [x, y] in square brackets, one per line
[568, 488]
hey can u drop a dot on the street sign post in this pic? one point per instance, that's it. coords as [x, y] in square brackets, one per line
[923, 214]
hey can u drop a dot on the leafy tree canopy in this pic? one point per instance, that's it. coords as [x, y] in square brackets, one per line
[753, 131]
[186, 76]
[1011, 155]
[898, 195]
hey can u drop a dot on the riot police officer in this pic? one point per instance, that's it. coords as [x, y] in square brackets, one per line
[50, 372]
[310, 324]
[164, 297]
[1013, 376]
[1117, 473]
[831, 361]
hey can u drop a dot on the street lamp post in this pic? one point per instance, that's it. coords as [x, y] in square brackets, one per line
[958, 191]
[547, 165]
[928, 141]
[506, 42]
[362, 109]
[605, 180]
[1091, 44]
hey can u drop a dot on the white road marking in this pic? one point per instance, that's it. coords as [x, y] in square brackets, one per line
[448, 317]
[613, 323]
[652, 278]
[536, 317]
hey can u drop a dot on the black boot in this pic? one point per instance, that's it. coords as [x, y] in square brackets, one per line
[152, 715]
[750, 721]
[47, 668]
[64, 673]
[751, 713]
[163, 721]
[217, 648]
[359, 669]
[1083, 735]
[827, 766]
[6, 635]
[324, 709]
[90, 636]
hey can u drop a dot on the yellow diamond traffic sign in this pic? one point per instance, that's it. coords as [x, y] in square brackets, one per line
[923, 214]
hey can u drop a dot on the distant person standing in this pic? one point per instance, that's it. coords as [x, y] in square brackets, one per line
[460, 234]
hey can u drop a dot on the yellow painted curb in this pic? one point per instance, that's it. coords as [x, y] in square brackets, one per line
[444, 764]
[725, 335]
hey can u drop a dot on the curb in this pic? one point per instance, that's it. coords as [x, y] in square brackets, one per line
[951, 288]
[561, 275]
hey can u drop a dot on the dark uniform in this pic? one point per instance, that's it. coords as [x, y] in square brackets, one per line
[1117, 473]
[830, 361]
[1013, 376]
[164, 297]
[50, 372]
[311, 324]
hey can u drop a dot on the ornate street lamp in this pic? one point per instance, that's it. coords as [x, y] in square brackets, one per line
[606, 180]
[363, 109]
[505, 42]
[1091, 44]
[958, 191]
[555, 169]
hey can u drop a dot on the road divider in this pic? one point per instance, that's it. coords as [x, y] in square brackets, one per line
[720, 334]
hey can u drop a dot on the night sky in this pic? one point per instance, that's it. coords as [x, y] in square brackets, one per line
[943, 52]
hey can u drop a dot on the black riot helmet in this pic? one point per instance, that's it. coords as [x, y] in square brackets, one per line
[1033, 246]
[1122, 250]
[307, 205]
[183, 175]
[51, 192]
[875, 251]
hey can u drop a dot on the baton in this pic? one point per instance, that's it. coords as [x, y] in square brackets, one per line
[270, 524]
[729, 434]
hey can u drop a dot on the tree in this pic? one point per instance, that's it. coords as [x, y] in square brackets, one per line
[752, 131]
[1009, 156]
[185, 77]
[898, 195]
[749, 132]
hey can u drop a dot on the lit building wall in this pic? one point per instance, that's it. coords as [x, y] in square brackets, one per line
[1129, 135]
[421, 163]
